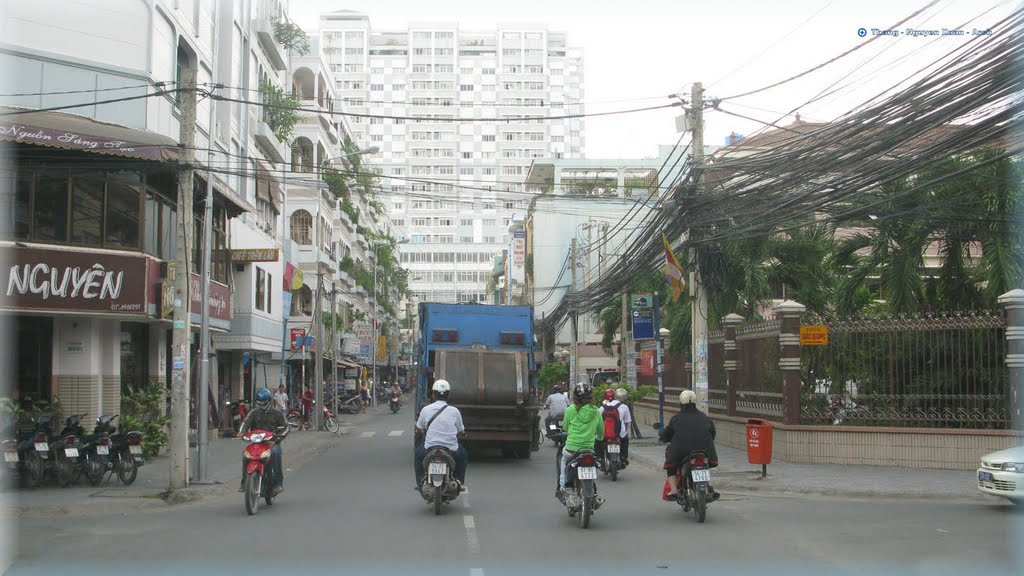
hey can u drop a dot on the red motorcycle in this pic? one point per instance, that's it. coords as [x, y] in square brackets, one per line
[258, 468]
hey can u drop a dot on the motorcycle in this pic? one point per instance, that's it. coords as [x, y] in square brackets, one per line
[126, 455]
[439, 484]
[554, 432]
[258, 468]
[609, 462]
[237, 410]
[581, 500]
[33, 452]
[395, 404]
[693, 478]
[64, 463]
[331, 421]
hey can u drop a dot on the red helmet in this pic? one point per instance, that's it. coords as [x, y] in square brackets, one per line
[609, 394]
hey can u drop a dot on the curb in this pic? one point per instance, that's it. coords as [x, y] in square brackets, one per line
[728, 482]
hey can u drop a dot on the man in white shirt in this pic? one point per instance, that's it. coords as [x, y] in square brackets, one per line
[625, 419]
[441, 425]
[281, 400]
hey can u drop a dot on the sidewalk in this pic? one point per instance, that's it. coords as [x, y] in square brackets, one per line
[734, 474]
[150, 489]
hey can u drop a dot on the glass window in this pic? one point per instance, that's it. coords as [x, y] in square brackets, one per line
[51, 208]
[22, 205]
[87, 208]
[151, 240]
[261, 290]
[123, 209]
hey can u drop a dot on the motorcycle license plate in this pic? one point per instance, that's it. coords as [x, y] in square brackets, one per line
[71, 452]
[701, 475]
[438, 468]
[42, 447]
[134, 449]
[587, 473]
[613, 448]
[103, 450]
[10, 456]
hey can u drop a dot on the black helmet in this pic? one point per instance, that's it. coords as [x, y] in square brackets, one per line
[556, 388]
[263, 398]
[583, 391]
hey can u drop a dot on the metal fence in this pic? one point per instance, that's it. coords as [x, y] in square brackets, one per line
[931, 370]
[759, 386]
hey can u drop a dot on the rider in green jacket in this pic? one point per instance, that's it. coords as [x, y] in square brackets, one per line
[582, 423]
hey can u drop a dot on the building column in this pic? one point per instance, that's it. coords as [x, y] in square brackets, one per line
[1013, 301]
[789, 358]
[731, 363]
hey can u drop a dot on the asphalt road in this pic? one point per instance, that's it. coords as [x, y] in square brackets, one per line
[353, 511]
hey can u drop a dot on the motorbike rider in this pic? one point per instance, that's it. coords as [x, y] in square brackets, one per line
[616, 400]
[583, 425]
[396, 390]
[440, 424]
[265, 417]
[556, 404]
[688, 430]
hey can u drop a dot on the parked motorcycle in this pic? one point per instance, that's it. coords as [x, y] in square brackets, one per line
[97, 459]
[439, 484]
[237, 410]
[351, 405]
[395, 404]
[331, 421]
[33, 451]
[581, 499]
[65, 450]
[258, 468]
[693, 478]
[126, 453]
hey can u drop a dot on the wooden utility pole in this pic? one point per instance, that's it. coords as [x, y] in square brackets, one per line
[181, 335]
[699, 306]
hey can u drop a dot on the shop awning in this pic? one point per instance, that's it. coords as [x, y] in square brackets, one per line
[234, 203]
[347, 363]
[72, 132]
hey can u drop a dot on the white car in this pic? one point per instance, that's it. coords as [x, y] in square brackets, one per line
[1002, 474]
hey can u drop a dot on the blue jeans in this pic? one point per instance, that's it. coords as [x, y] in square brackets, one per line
[276, 469]
[461, 463]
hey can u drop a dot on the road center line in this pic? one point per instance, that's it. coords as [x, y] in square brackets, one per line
[369, 434]
[472, 542]
[395, 432]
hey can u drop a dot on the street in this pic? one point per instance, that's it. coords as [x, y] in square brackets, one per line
[353, 510]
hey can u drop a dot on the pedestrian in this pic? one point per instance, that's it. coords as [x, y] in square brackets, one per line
[281, 400]
[364, 395]
[307, 405]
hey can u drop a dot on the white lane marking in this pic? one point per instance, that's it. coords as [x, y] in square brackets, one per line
[395, 432]
[471, 540]
[367, 434]
[465, 499]
[476, 572]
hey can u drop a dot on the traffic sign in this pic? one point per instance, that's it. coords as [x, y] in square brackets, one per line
[643, 324]
[643, 300]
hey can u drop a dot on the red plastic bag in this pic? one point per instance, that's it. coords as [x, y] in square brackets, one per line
[665, 491]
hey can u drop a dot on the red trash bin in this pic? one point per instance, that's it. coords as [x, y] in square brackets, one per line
[759, 443]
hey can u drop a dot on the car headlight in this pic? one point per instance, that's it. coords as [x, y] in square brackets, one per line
[1013, 467]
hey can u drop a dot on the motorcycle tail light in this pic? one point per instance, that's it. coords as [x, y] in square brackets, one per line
[587, 459]
[104, 441]
[41, 437]
[68, 440]
[698, 461]
[135, 439]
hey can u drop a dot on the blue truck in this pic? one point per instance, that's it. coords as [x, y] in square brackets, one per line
[486, 353]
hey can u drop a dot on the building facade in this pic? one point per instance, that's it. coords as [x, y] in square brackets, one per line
[452, 187]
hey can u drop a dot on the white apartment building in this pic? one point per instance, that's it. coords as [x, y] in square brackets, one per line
[452, 187]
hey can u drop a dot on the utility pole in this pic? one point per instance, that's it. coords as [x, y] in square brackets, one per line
[699, 310]
[318, 355]
[203, 388]
[334, 347]
[373, 355]
[181, 336]
[573, 359]
[625, 343]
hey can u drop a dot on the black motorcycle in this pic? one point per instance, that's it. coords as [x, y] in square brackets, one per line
[439, 484]
[69, 451]
[581, 499]
[395, 404]
[124, 451]
[33, 451]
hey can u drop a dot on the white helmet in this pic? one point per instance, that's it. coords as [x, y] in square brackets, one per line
[441, 386]
[621, 395]
[687, 397]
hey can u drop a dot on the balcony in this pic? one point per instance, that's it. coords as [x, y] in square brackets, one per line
[266, 138]
[268, 40]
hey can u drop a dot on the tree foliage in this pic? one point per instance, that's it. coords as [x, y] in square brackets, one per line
[279, 110]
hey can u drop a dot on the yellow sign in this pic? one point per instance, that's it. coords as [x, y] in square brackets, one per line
[254, 254]
[297, 279]
[816, 335]
[382, 348]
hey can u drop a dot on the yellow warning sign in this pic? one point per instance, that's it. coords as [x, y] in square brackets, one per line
[816, 335]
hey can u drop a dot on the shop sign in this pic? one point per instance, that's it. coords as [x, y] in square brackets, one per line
[79, 281]
[814, 335]
[254, 254]
[220, 298]
[519, 247]
[76, 141]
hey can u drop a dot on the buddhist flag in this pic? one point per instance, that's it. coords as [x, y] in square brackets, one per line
[673, 271]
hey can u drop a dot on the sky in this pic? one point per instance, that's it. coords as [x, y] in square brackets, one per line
[637, 53]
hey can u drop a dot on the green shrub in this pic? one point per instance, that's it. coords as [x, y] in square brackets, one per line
[143, 410]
